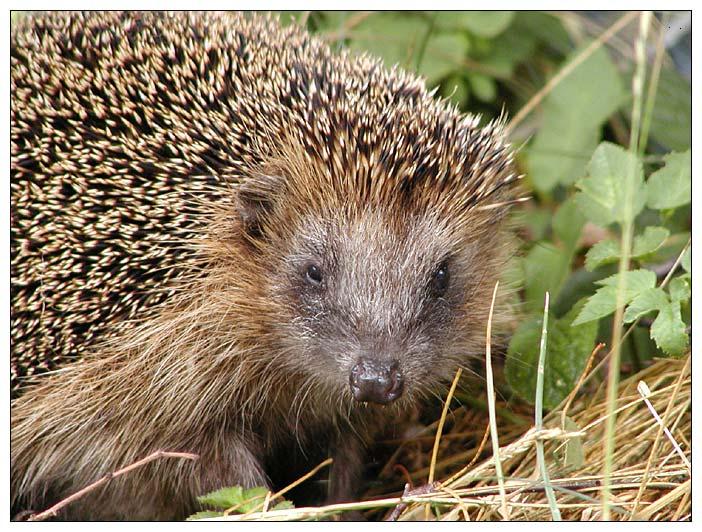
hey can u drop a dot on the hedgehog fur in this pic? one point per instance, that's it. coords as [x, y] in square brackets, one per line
[168, 173]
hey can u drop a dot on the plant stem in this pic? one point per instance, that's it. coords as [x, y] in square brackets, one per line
[627, 239]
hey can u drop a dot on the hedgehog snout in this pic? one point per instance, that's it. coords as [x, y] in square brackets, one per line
[376, 381]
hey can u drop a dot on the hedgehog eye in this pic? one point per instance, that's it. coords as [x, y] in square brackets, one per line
[313, 274]
[440, 279]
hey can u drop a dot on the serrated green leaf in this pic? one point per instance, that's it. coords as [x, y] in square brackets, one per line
[614, 190]
[647, 301]
[686, 261]
[204, 515]
[636, 280]
[603, 302]
[652, 238]
[668, 330]
[671, 186]
[256, 491]
[223, 498]
[679, 289]
[608, 251]
[573, 115]
[604, 252]
[567, 350]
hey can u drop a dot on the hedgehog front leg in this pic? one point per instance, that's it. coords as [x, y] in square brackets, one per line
[347, 469]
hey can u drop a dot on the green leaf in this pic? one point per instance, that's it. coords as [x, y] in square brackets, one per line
[668, 330]
[653, 238]
[671, 123]
[398, 38]
[568, 224]
[252, 499]
[483, 87]
[481, 23]
[604, 301]
[608, 251]
[545, 269]
[573, 115]
[204, 515]
[394, 37]
[647, 301]
[671, 186]
[604, 252]
[223, 498]
[567, 351]
[614, 189]
[455, 88]
[574, 457]
[443, 55]
[243, 500]
[636, 280]
[679, 289]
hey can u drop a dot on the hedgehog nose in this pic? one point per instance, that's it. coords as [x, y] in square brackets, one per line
[376, 381]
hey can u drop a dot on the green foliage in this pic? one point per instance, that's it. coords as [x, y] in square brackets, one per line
[628, 284]
[671, 186]
[237, 500]
[573, 115]
[613, 190]
[608, 251]
[568, 347]
[480, 23]
[574, 453]
[671, 123]
[465, 53]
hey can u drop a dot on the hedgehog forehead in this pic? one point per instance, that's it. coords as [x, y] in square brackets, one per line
[372, 243]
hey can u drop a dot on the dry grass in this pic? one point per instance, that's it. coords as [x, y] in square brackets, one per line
[650, 480]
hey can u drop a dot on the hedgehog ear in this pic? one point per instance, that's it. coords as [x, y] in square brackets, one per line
[256, 199]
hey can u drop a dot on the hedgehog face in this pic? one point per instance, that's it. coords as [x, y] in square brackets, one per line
[375, 310]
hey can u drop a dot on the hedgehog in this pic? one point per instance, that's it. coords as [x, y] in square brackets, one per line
[230, 241]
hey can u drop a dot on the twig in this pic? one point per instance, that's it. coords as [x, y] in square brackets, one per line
[53, 511]
[627, 235]
[350, 23]
[300, 480]
[439, 430]
[408, 492]
[645, 393]
[491, 408]
[583, 375]
[539, 96]
[475, 457]
[653, 83]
